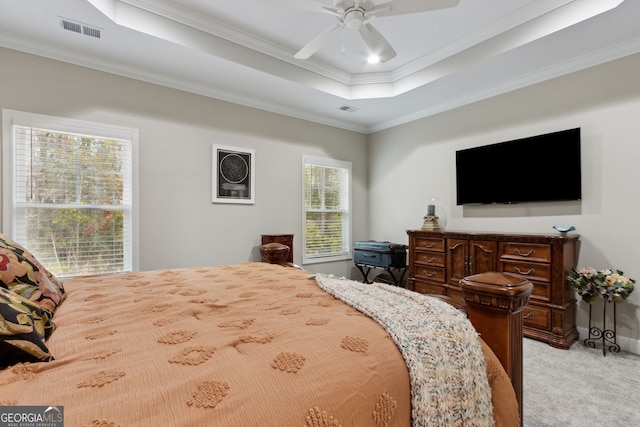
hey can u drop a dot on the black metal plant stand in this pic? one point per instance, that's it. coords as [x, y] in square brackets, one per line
[607, 336]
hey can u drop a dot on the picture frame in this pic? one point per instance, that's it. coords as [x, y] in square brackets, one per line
[233, 174]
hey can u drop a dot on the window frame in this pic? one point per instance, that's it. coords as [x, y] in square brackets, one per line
[11, 118]
[346, 253]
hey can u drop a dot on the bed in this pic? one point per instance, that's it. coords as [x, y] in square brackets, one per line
[249, 344]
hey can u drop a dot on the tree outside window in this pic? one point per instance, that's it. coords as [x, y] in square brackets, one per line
[72, 200]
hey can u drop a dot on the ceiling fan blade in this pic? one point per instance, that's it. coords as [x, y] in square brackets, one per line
[309, 5]
[401, 7]
[318, 42]
[376, 42]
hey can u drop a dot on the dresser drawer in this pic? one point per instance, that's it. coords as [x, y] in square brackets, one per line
[528, 270]
[432, 274]
[535, 252]
[537, 317]
[427, 289]
[429, 258]
[430, 244]
[541, 291]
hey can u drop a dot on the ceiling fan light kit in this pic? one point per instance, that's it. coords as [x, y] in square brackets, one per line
[355, 15]
[353, 18]
[373, 59]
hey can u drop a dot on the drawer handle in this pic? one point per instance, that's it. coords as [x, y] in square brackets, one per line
[529, 315]
[531, 252]
[531, 271]
[430, 245]
[368, 256]
[433, 258]
[433, 273]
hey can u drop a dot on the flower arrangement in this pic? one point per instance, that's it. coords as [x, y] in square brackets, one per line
[604, 284]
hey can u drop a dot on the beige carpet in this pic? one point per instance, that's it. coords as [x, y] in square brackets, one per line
[579, 387]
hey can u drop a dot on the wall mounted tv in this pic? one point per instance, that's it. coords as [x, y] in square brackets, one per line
[534, 169]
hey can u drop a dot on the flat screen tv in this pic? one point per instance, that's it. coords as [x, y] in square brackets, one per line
[534, 169]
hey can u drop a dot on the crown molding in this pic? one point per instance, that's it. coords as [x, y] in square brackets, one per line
[457, 99]
[569, 66]
[181, 26]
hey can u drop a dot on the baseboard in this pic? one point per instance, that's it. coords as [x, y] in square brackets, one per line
[626, 344]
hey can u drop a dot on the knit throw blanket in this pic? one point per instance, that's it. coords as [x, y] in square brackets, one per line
[446, 365]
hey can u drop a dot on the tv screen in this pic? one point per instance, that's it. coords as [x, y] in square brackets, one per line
[539, 168]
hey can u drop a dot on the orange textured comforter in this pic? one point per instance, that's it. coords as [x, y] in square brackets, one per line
[251, 344]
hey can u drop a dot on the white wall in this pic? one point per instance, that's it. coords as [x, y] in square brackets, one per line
[179, 226]
[411, 161]
[392, 175]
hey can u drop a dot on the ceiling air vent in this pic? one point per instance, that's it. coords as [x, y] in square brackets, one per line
[71, 26]
[348, 108]
[79, 28]
[91, 31]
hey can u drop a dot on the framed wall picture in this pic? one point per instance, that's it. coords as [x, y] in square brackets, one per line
[233, 175]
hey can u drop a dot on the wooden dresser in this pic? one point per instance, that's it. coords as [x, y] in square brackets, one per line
[438, 260]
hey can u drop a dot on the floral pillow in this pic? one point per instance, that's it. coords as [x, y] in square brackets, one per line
[22, 273]
[24, 326]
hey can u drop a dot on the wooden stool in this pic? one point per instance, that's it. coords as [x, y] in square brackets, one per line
[274, 253]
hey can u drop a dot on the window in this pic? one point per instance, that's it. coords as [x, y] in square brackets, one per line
[326, 210]
[68, 192]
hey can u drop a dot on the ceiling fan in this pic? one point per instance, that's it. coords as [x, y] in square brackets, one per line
[355, 15]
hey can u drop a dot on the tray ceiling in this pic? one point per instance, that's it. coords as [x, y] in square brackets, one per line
[243, 51]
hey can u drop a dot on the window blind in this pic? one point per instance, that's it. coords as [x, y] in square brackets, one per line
[327, 203]
[72, 200]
